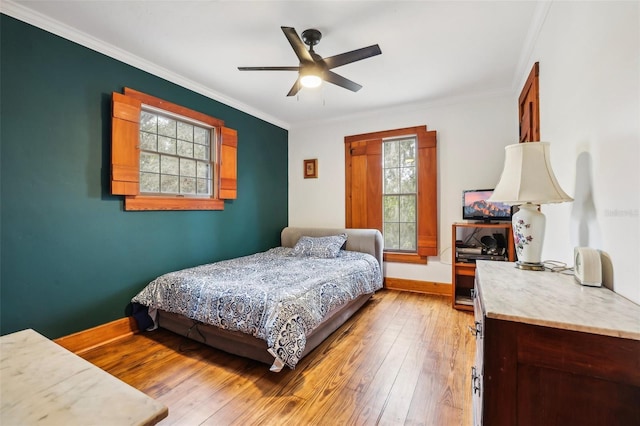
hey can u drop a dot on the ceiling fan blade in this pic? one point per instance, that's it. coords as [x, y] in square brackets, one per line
[353, 56]
[295, 88]
[269, 68]
[339, 80]
[298, 46]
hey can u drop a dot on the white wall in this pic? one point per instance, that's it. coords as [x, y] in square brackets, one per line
[472, 134]
[589, 54]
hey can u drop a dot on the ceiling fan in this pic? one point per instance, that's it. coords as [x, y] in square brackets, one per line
[313, 69]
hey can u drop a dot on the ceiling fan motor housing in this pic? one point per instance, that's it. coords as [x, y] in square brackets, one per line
[311, 37]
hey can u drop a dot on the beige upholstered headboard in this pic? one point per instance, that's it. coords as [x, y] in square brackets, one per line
[362, 240]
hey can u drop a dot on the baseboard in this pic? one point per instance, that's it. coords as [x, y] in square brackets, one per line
[415, 286]
[91, 338]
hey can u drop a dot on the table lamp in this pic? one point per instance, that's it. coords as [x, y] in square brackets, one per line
[527, 180]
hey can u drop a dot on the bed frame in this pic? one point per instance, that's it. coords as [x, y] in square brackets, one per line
[362, 240]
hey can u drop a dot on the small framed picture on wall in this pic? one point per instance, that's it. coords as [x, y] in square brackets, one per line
[311, 168]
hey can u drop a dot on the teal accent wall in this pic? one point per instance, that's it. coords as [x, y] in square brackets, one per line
[71, 257]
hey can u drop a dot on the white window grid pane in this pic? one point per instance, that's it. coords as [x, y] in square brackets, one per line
[149, 162]
[148, 141]
[185, 131]
[200, 152]
[407, 180]
[399, 189]
[391, 184]
[407, 148]
[149, 182]
[391, 236]
[201, 135]
[187, 167]
[391, 154]
[167, 126]
[169, 184]
[408, 236]
[187, 185]
[407, 208]
[175, 156]
[203, 186]
[391, 208]
[149, 122]
[185, 149]
[169, 165]
[166, 145]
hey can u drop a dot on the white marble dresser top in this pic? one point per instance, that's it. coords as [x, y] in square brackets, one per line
[554, 300]
[44, 384]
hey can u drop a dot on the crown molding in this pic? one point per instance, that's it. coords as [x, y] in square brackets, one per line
[29, 16]
[404, 108]
[526, 60]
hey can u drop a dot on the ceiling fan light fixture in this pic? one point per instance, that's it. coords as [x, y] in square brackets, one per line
[310, 80]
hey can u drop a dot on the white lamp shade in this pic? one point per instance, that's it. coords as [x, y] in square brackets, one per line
[527, 176]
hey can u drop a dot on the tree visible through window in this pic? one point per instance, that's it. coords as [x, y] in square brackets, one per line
[399, 194]
[391, 185]
[175, 155]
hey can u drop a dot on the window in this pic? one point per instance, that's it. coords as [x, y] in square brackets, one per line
[175, 155]
[167, 157]
[399, 194]
[391, 185]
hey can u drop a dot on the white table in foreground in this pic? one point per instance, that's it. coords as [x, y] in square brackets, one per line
[41, 383]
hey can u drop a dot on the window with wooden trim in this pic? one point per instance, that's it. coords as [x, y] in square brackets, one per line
[168, 157]
[391, 185]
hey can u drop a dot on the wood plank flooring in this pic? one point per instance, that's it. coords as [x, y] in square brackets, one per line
[403, 359]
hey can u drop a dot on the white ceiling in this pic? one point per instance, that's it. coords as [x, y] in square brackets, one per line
[431, 50]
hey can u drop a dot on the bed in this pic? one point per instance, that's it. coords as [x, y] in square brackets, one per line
[276, 306]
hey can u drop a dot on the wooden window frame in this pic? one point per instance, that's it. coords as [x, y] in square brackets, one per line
[125, 156]
[365, 195]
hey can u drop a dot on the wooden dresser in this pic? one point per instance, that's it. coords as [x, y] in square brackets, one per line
[552, 352]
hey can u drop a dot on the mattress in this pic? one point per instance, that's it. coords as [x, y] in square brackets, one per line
[275, 296]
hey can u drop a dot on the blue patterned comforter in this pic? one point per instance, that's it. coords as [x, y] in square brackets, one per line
[274, 295]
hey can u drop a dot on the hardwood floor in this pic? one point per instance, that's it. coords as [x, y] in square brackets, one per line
[404, 358]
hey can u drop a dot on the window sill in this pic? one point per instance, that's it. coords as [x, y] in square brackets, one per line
[404, 257]
[140, 203]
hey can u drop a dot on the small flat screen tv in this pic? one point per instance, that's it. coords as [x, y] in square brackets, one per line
[476, 207]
